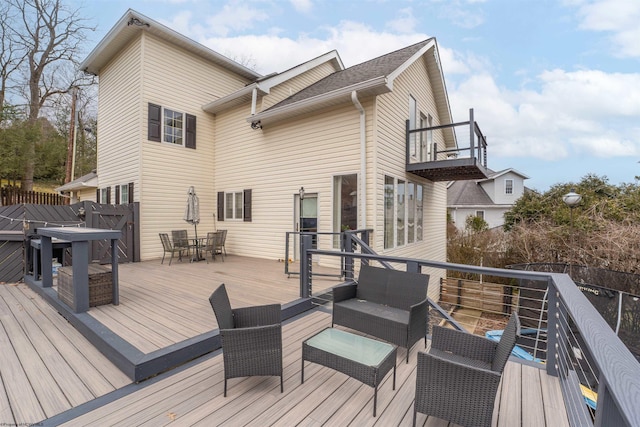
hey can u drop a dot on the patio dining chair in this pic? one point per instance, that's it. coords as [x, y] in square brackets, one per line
[457, 380]
[251, 338]
[223, 241]
[209, 245]
[218, 247]
[181, 240]
[168, 247]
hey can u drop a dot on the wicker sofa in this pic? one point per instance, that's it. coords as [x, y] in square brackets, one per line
[388, 304]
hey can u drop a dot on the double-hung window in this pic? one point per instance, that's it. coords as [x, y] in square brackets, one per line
[171, 126]
[234, 205]
[508, 186]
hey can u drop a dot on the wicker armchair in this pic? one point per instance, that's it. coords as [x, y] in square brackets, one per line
[458, 379]
[168, 247]
[251, 338]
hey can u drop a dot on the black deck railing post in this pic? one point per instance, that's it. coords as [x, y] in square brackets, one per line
[306, 243]
[408, 141]
[553, 331]
[347, 247]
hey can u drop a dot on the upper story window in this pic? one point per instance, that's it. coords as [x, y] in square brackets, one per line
[171, 126]
[508, 186]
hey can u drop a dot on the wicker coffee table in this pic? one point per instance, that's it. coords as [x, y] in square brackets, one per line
[362, 358]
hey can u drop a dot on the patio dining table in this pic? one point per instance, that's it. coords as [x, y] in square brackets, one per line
[198, 244]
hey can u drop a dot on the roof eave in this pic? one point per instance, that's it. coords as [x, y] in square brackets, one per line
[124, 31]
[374, 86]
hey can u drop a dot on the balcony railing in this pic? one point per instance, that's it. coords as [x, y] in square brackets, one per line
[575, 330]
[456, 151]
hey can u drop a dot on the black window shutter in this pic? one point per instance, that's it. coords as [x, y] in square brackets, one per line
[131, 192]
[155, 122]
[98, 196]
[220, 205]
[117, 201]
[247, 206]
[190, 141]
[108, 195]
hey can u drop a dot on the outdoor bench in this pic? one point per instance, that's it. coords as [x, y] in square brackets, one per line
[387, 304]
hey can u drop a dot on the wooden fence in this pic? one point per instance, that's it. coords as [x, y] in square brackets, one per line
[19, 224]
[491, 297]
[10, 195]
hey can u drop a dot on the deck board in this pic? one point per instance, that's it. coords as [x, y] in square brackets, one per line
[46, 366]
[194, 396]
[172, 302]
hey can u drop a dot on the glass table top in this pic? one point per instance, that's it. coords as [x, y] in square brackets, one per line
[366, 351]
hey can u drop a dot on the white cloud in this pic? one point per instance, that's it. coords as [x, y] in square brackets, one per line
[618, 17]
[273, 52]
[581, 112]
[405, 22]
[303, 6]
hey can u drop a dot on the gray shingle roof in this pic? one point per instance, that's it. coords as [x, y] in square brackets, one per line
[467, 193]
[377, 67]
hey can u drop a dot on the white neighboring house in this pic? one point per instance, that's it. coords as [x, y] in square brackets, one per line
[487, 198]
[81, 189]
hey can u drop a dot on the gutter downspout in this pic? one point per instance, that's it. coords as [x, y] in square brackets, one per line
[254, 100]
[363, 162]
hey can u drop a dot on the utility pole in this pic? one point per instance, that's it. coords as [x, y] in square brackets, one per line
[72, 134]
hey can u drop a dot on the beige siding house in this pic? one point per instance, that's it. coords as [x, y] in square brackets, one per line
[175, 114]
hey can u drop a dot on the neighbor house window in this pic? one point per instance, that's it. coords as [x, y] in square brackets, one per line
[480, 214]
[171, 126]
[508, 186]
[403, 212]
[234, 205]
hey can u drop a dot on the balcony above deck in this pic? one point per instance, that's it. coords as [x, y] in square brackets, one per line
[452, 152]
[449, 169]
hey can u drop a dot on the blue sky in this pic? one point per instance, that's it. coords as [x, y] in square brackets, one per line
[555, 85]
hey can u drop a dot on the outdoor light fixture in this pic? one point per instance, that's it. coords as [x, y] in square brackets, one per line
[137, 23]
[301, 192]
[82, 213]
[571, 199]
[256, 125]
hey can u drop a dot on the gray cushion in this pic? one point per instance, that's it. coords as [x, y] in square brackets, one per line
[369, 308]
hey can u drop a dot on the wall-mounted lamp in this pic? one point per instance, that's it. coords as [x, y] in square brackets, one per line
[137, 23]
[82, 213]
[256, 125]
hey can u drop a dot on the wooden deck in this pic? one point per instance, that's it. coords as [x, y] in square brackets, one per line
[161, 305]
[49, 372]
[46, 366]
[192, 395]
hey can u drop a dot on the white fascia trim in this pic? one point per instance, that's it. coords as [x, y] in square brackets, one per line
[395, 73]
[211, 106]
[158, 29]
[270, 82]
[338, 93]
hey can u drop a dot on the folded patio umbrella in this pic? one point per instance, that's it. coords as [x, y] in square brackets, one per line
[192, 212]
